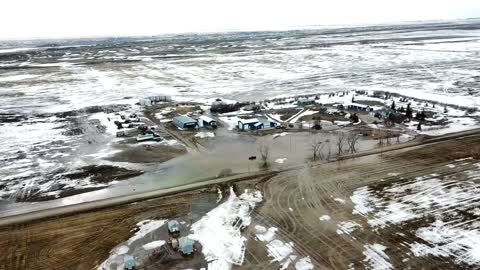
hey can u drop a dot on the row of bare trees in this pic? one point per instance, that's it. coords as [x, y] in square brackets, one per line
[344, 143]
[386, 137]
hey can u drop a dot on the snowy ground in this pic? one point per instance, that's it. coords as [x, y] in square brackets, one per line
[451, 205]
[281, 251]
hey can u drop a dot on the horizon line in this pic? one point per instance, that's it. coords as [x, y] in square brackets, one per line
[226, 31]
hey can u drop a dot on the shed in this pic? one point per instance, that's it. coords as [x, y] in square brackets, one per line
[185, 245]
[259, 125]
[305, 101]
[184, 122]
[267, 123]
[128, 262]
[173, 226]
[247, 123]
[205, 121]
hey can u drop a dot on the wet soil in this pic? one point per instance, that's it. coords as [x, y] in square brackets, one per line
[97, 174]
[103, 173]
[147, 153]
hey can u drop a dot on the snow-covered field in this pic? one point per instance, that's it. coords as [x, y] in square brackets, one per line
[446, 207]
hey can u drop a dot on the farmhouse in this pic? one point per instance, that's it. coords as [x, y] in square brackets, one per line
[184, 122]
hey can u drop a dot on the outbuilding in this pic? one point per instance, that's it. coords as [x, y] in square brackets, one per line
[252, 123]
[184, 122]
[305, 101]
[185, 245]
[173, 226]
[128, 262]
[205, 121]
[267, 123]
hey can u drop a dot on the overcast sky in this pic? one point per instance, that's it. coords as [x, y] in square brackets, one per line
[84, 18]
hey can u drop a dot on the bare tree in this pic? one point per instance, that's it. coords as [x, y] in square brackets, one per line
[352, 140]
[340, 142]
[381, 136]
[316, 149]
[264, 154]
[329, 149]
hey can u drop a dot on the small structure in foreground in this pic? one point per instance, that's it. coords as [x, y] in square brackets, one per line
[184, 122]
[205, 121]
[173, 226]
[185, 245]
[128, 262]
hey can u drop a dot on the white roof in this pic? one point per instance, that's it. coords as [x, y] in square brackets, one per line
[248, 121]
[206, 118]
[378, 108]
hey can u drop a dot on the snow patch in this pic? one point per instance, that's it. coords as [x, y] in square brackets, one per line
[347, 227]
[154, 244]
[304, 264]
[204, 134]
[325, 218]
[219, 230]
[377, 259]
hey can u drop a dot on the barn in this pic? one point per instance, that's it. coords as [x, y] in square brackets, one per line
[184, 122]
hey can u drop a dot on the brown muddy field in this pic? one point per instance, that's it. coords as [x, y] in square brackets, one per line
[293, 203]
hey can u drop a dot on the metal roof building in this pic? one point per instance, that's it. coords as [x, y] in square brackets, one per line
[252, 123]
[305, 101]
[184, 122]
[173, 226]
[128, 262]
[206, 121]
[185, 245]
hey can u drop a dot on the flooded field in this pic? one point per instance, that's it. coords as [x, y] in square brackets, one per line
[412, 208]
